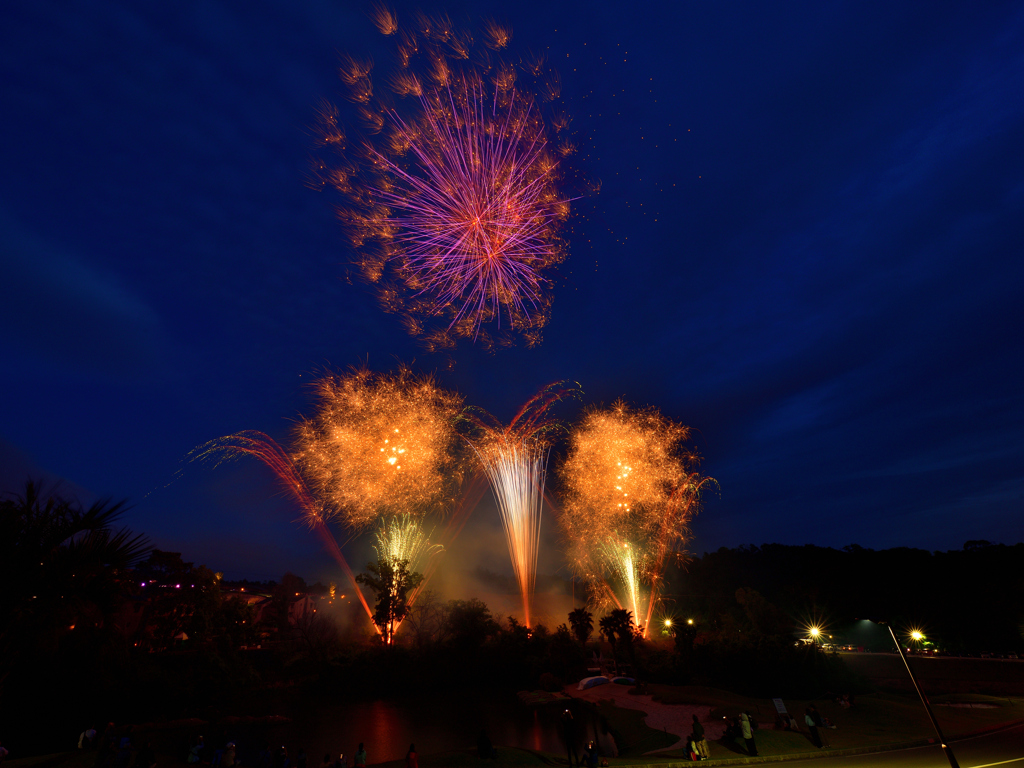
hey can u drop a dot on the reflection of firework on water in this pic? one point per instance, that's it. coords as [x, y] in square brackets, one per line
[629, 487]
[452, 190]
[402, 538]
[515, 460]
[380, 444]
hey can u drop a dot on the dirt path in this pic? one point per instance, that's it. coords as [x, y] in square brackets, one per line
[677, 719]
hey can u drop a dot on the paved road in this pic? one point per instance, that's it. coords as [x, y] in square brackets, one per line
[1005, 748]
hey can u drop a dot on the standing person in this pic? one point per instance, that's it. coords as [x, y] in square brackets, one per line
[106, 750]
[196, 751]
[747, 731]
[359, 759]
[3, 752]
[228, 759]
[145, 757]
[699, 742]
[812, 726]
[818, 722]
[300, 758]
[570, 738]
[85, 741]
[411, 760]
[484, 749]
[327, 761]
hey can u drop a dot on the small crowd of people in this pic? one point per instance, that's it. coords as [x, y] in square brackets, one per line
[742, 727]
[116, 748]
[696, 743]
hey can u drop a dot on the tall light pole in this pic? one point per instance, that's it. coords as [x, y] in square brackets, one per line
[946, 749]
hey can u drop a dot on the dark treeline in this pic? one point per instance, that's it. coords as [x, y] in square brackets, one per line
[967, 601]
[96, 626]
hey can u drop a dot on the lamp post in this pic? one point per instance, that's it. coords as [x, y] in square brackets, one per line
[946, 749]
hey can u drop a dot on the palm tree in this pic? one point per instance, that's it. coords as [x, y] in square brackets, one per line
[63, 566]
[619, 629]
[608, 629]
[582, 622]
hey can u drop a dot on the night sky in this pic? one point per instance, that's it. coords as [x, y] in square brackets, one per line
[807, 246]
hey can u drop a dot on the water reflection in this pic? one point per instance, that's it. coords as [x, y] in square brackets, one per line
[435, 723]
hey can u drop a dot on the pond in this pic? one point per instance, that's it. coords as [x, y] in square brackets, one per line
[321, 724]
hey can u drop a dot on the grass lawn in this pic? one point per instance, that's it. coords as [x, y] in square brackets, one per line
[632, 735]
[875, 720]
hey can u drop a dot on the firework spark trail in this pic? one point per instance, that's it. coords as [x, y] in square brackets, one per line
[453, 196]
[630, 491]
[403, 538]
[624, 563]
[514, 460]
[517, 474]
[265, 448]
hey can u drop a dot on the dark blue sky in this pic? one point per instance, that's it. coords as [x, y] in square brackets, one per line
[807, 246]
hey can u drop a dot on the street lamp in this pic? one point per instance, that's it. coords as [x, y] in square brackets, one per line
[916, 635]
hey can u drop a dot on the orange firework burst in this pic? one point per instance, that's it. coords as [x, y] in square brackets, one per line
[514, 459]
[453, 189]
[380, 444]
[629, 492]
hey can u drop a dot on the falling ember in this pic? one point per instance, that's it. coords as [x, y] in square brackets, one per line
[514, 459]
[380, 445]
[629, 493]
[453, 191]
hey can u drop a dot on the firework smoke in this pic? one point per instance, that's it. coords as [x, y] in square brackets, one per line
[629, 492]
[452, 190]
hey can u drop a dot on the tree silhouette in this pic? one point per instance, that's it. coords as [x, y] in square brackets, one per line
[390, 580]
[582, 622]
[63, 567]
[620, 630]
